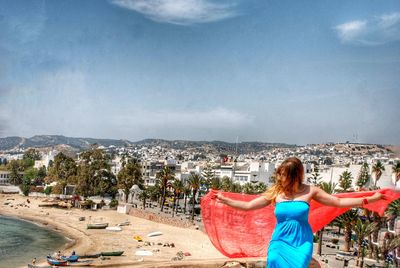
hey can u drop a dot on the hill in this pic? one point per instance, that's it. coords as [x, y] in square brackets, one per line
[44, 141]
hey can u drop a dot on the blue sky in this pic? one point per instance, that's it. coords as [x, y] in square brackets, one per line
[275, 71]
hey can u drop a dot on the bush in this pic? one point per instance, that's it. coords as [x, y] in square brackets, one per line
[335, 241]
[315, 238]
[87, 204]
[48, 190]
[114, 203]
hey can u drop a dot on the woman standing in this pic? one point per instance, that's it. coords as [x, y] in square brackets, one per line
[291, 244]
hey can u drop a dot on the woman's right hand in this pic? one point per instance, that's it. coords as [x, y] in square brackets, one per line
[220, 197]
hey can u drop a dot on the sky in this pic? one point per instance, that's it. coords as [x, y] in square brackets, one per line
[297, 72]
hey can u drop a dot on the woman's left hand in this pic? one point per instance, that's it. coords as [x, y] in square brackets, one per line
[378, 196]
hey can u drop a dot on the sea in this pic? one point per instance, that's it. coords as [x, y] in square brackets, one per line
[21, 241]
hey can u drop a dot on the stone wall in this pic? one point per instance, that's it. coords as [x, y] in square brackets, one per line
[151, 216]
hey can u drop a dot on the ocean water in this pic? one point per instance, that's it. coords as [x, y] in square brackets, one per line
[21, 241]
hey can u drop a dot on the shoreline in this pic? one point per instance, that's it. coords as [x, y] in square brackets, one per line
[66, 222]
[71, 241]
[84, 241]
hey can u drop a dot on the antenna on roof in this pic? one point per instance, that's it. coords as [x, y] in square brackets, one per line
[236, 149]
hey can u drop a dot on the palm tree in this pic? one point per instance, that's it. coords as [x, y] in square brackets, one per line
[260, 187]
[164, 176]
[378, 168]
[362, 230]
[226, 184]
[393, 245]
[328, 187]
[393, 211]
[347, 220]
[248, 188]
[144, 195]
[194, 182]
[396, 171]
[345, 180]
[215, 183]
[186, 191]
[177, 185]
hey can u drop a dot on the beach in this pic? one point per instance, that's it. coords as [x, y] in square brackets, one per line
[193, 243]
[88, 241]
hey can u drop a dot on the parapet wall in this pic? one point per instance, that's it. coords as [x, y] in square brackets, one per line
[151, 216]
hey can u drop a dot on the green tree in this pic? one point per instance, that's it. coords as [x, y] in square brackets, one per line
[328, 187]
[29, 157]
[235, 188]
[362, 230]
[144, 195]
[315, 176]
[42, 173]
[63, 170]
[248, 188]
[194, 182]
[260, 187]
[16, 170]
[377, 169]
[26, 186]
[215, 183]
[165, 175]
[392, 212]
[154, 192]
[363, 176]
[94, 174]
[208, 175]
[396, 171]
[130, 175]
[31, 174]
[226, 184]
[345, 181]
[177, 185]
[347, 220]
[186, 191]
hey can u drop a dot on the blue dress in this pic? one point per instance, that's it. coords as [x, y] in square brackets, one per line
[291, 244]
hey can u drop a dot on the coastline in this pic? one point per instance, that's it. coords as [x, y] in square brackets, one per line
[83, 241]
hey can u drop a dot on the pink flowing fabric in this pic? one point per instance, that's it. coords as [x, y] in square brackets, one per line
[236, 233]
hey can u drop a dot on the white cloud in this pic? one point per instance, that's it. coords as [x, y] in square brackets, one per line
[219, 117]
[61, 102]
[375, 31]
[182, 12]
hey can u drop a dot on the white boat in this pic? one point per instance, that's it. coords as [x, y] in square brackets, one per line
[143, 253]
[125, 223]
[114, 228]
[154, 234]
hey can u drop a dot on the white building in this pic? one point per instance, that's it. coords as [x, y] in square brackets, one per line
[332, 174]
[45, 159]
[4, 177]
[243, 172]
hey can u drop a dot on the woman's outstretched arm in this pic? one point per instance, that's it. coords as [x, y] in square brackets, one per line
[324, 198]
[256, 203]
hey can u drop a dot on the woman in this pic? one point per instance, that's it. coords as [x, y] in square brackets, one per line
[292, 240]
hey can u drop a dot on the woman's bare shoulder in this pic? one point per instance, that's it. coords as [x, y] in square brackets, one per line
[314, 189]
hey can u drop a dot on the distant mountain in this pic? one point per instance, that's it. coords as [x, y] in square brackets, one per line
[41, 141]
[213, 146]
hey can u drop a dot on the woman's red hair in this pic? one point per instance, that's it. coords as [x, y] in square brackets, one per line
[291, 169]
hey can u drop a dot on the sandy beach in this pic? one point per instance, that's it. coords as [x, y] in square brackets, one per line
[85, 241]
[201, 253]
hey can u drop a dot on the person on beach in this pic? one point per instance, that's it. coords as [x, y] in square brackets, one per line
[291, 245]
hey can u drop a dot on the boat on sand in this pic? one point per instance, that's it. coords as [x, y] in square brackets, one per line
[97, 225]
